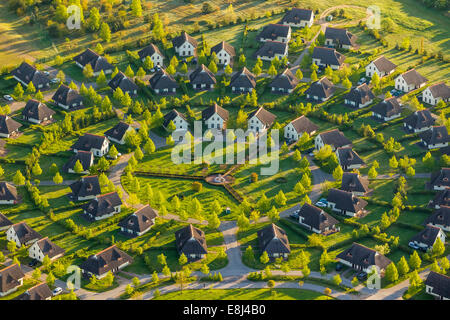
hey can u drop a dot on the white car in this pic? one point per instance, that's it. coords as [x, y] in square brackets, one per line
[55, 80]
[57, 290]
[7, 97]
[321, 204]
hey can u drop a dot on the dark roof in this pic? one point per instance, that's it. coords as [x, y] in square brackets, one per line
[178, 41]
[266, 117]
[86, 186]
[25, 233]
[347, 157]
[141, 220]
[440, 216]
[10, 276]
[27, 73]
[118, 131]
[225, 46]
[85, 160]
[243, 79]
[48, 248]
[322, 88]
[440, 90]
[172, 115]
[149, 51]
[440, 284]
[89, 141]
[388, 107]
[103, 204]
[273, 31]
[328, 56]
[162, 80]
[353, 182]
[106, 260]
[202, 75]
[441, 178]
[271, 48]
[4, 221]
[38, 292]
[273, 239]
[360, 255]
[413, 77]
[123, 82]
[435, 135]
[442, 198]
[360, 94]
[191, 240]
[316, 217]
[8, 125]
[96, 61]
[67, 96]
[8, 192]
[210, 111]
[296, 15]
[341, 36]
[334, 138]
[384, 65]
[285, 80]
[37, 110]
[427, 236]
[420, 119]
[303, 124]
[346, 200]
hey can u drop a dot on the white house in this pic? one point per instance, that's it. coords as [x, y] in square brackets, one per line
[275, 32]
[11, 279]
[185, 45]
[45, 247]
[410, 80]
[178, 119]
[294, 129]
[381, 66]
[334, 138]
[298, 18]
[260, 120]
[118, 133]
[435, 93]
[215, 117]
[437, 285]
[224, 52]
[154, 53]
[435, 138]
[426, 238]
[98, 145]
[22, 234]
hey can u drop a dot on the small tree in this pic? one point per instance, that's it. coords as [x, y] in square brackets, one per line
[337, 280]
[58, 179]
[415, 261]
[391, 273]
[264, 258]
[182, 260]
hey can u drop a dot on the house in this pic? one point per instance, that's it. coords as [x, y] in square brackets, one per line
[37, 112]
[435, 93]
[339, 38]
[321, 90]
[178, 119]
[440, 218]
[67, 98]
[285, 82]
[86, 158]
[26, 73]
[224, 52]
[44, 247]
[111, 259]
[441, 199]
[410, 80]
[86, 188]
[202, 78]
[271, 50]
[440, 180]
[348, 159]
[438, 285]
[98, 145]
[294, 129]
[163, 83]
[22, 234]
[359, 97]
[36, 293]
[361, 258]
[8, 126]
[126, 84]
[215, 117]
[274, 241]
[139, 222]
[97, 62]
[185, 45]
[298, 18]
[419, 121]
[118, 133]
[275, 32]
[317, 220]
[381, 66]
[102, 206]
[154, 53]
[191, 242]
[436, 137]
[11, 278]
[8, 193]
[427, 237]
[260, 120]
[5, 223]
[324, 57]
[387, 110]
[334, 138]
[345, 203]
[354, 183]
[243, 81]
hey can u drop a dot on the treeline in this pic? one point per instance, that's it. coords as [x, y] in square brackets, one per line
[436, 4]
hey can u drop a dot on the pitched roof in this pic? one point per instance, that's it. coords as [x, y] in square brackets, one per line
[28, 73]
[347, 157]
[215, 109]
[303, 124]
[86, 186]
[435, 135]
[442, 198]
[162, 80]
[353, 182]
[8, 192]
[140, 220]
[360, 255]
[346, 200]
[118, 131]
[243, 79]
[106, 260]
[427, 236]
[191, 240]
[85, 158]
[334, 138]
[103, 204]
[202, 75]
[388, 107]
[328, 56]
[67, 96]
[342, 36]
[273, 31]
[413, 77]
[8, 125]
[224, 46]
[172, 115]
[96, 61]
[25, 233]
[383, 64]
[360, 94]
[322, 88]
[441, 178]
[37, 110]
[285, 80]
[316, 217]
[4, 221]
[266, 117]
[273, 239]
[440, 90]
[440, 284]
[38, 292]
[121, 81]
[271, 49]
[10, 276]
[149, 51]
[420, 119]
[440, 217]
[178, 41]
[48, 248]
[296, 15]
[89, 141]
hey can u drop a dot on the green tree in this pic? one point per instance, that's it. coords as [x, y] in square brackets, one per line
[438, 248]
[136, 8]
[403, 267]
[18, 91]
[391, 273]
[212, 67]
[78, 167]
[88, 72]
[337, 280]
[101, 79]
[182, 260]
[264, 258]
[105, 32]
[31, 88]
[18, 178]
[58, 179]
[414, 261]
[50, 279]
[338, 173]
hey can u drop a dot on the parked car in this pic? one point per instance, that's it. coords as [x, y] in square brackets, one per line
[413, 245]
[152, 70]
[321, 204]
[323, 200]
[57, 290]
[361, 81]
[33, 263]
[46, 73]
[339, 266]
[55, 80]
[7, 97]
[362, 276]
